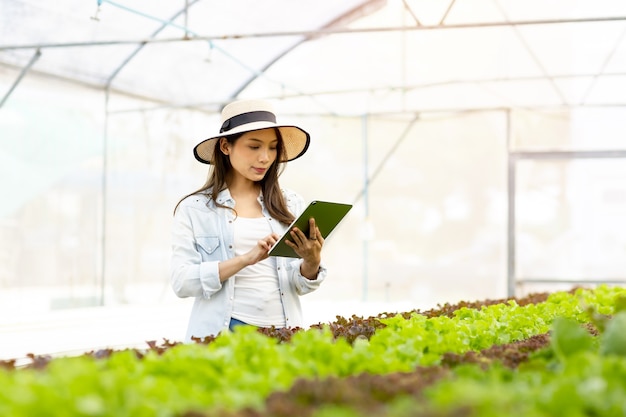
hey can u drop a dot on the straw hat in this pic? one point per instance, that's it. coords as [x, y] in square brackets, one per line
[249, 115]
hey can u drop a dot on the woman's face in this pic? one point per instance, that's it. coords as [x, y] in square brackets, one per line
[252, 154]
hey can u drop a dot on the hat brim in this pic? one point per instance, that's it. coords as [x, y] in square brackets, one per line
[295, 141]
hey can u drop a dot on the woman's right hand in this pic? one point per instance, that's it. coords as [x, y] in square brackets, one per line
[231, 266]
[262, 248]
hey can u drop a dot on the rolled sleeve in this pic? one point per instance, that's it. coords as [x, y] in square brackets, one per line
[210, 278]
[302, 284]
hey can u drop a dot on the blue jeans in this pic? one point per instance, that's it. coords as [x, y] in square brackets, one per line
[234, 323]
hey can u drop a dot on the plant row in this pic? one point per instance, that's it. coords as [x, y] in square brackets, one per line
[242, 370]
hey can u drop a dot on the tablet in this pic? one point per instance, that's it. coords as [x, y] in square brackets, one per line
[327, 216]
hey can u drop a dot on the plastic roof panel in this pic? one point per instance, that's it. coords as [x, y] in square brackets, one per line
[349, 57]
[167, 71]
[252, 16]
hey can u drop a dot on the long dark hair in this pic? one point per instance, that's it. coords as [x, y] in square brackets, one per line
[272, 194]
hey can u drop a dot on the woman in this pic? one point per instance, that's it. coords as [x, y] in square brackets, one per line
[222, 232]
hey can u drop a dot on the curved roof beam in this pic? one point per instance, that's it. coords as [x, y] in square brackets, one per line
[363, 9]
[352, 14]
[21, 75]
[164, 25]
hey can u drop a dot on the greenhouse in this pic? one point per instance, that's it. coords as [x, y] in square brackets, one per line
[481, 142]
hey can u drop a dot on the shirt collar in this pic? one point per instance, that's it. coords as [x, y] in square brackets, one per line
[224, 198]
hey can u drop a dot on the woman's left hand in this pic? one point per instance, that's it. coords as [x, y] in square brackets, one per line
[309, 248]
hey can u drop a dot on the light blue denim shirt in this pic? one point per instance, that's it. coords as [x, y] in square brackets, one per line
[202, 237]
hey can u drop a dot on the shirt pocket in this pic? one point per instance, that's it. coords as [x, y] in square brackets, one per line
[207, 246]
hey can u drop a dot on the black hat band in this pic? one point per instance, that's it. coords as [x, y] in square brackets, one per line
[245, 118]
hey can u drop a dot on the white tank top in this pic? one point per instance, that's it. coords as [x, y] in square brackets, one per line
[257, 294]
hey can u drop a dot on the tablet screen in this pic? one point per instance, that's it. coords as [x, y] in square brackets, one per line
[327, 216]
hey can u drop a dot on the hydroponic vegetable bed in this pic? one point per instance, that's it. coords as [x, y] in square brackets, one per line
[543, 355]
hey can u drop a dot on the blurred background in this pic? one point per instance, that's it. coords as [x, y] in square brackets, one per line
[482, 143]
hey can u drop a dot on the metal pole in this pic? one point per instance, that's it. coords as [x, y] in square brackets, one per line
[569, 155]
[366, 205]
[308, 33]
[104, 199]
[511, 161]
